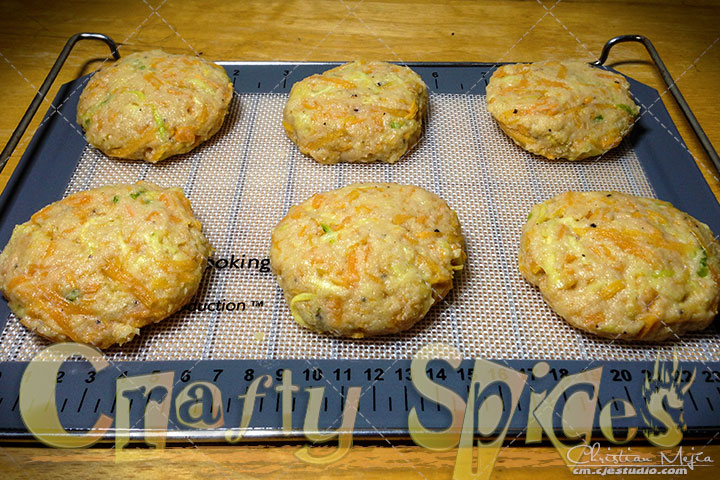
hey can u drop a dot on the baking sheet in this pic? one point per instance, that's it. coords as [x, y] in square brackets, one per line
[245, 179]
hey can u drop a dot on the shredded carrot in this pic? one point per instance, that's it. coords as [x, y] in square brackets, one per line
[153, 79]
[413, 110]
[351, 274]
[78, 200]
[362, 210]
[624, 243]
[288, 127]
[317, 201]
[49, 303]
[60, 304]
[338, 81]
[606, 75]
[165, 200]
[628, 241]
[184, 202]
[326, 139]
[19, 280]
[295, 213]
[400, 218]
[185, 134]
[177, 266]
[551, 83]
[562, 73]
[335, 305]
[397, 112]
[350, 121]
[611, 289]
[135, 145]
[114, 270]
[51, 249]
[594, 319]
[42, 214]
[650, 320]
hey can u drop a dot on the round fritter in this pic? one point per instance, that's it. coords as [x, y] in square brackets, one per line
[153, 105]
[98, 265]
[561, 109]
[367, 259]
[621, 266]
[358, 112]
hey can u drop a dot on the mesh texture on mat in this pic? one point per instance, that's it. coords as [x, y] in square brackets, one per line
[243, 181]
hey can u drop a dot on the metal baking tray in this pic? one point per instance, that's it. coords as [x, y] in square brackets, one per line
[243, 181]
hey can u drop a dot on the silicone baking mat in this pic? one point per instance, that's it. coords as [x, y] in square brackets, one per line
[244, 180]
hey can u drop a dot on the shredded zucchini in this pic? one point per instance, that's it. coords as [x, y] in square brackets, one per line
[628, 109]
[138, 93]
[200, 84]
[300, 297]
[703, 270]
[72, 295]
[137, 194]
[329, 234]
[160, 123]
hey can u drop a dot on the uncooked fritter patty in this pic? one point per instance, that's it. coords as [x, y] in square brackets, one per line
[152, 105]
[367, 259]
[357, 112]
[98, 265]
[561, 109]
[621, 266]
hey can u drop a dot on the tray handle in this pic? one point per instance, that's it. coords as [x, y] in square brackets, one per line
[670, 83]
[42, 92]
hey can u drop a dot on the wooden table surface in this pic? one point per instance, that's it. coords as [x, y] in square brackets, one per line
[32, 33]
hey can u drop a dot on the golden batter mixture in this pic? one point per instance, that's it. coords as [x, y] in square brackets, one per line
[357, 112]
[621, 266]
[152, 105]
[367, 259]
[96, 266]
[561, 109]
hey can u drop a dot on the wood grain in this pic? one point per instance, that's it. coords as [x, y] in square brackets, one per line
[32, 33]
[271, 462]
